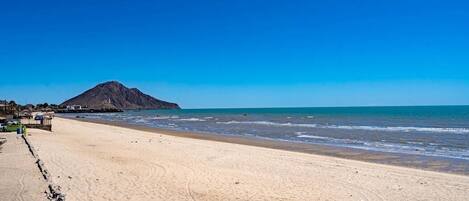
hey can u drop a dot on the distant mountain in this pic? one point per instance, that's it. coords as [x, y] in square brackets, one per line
[115, 95]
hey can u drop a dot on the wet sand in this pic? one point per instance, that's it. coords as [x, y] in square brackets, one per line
[103, 162]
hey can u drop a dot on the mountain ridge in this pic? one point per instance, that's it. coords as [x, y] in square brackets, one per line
[114, 95]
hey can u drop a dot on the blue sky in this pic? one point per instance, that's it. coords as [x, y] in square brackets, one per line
[239, 53]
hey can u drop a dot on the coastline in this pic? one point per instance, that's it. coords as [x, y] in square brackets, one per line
[428, 163]
[96, 162]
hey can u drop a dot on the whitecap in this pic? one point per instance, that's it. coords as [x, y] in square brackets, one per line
[141, 121]
[192, 119]
[370, 128]
[314, 137]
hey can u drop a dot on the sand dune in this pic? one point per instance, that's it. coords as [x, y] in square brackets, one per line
[100, 162]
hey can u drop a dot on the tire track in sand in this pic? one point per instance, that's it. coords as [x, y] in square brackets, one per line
[155, 172]
[189, 190]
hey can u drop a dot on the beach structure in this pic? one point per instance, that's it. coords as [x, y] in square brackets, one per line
[3, 104]
[7, 108]
[74, 107]
[25, 114]
[85, 109]
[37, 120]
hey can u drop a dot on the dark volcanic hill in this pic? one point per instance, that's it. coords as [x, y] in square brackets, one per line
[115, 95]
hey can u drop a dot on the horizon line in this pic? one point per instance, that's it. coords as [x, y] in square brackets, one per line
[356, 106]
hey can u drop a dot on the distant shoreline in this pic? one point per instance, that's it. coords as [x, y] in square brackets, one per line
[89, 111]
[430, 163]
[299, 107]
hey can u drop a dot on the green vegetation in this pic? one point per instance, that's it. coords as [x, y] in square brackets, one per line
[13, 128]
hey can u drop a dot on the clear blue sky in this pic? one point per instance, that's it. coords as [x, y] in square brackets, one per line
[239, 53]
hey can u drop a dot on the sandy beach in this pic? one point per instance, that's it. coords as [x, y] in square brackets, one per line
[102, 162]
[20, 178]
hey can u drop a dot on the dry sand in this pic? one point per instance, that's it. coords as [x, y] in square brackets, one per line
[20, 178]
[101, 162]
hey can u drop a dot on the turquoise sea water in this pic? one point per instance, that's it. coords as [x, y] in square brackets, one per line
[426, 130]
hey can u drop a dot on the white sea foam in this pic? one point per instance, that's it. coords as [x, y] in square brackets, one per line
[172, 125]
[164, 117]
[300, 133]
[192, 119]
[141, 121]
[268, 123]
[160, 117]
[370, 128]
[314, 137]
[403, 129]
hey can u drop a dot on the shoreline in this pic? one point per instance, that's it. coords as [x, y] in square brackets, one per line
[428, 163]
[93, 161]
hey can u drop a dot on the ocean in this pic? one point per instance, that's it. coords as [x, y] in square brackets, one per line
[441, 131]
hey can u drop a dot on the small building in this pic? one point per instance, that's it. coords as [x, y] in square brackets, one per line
[25, 114]
[38, 120]
[7, 108]
[74, 107]
[4, 106]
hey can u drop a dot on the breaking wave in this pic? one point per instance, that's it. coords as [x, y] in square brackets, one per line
[191, 119]
[369, 128]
